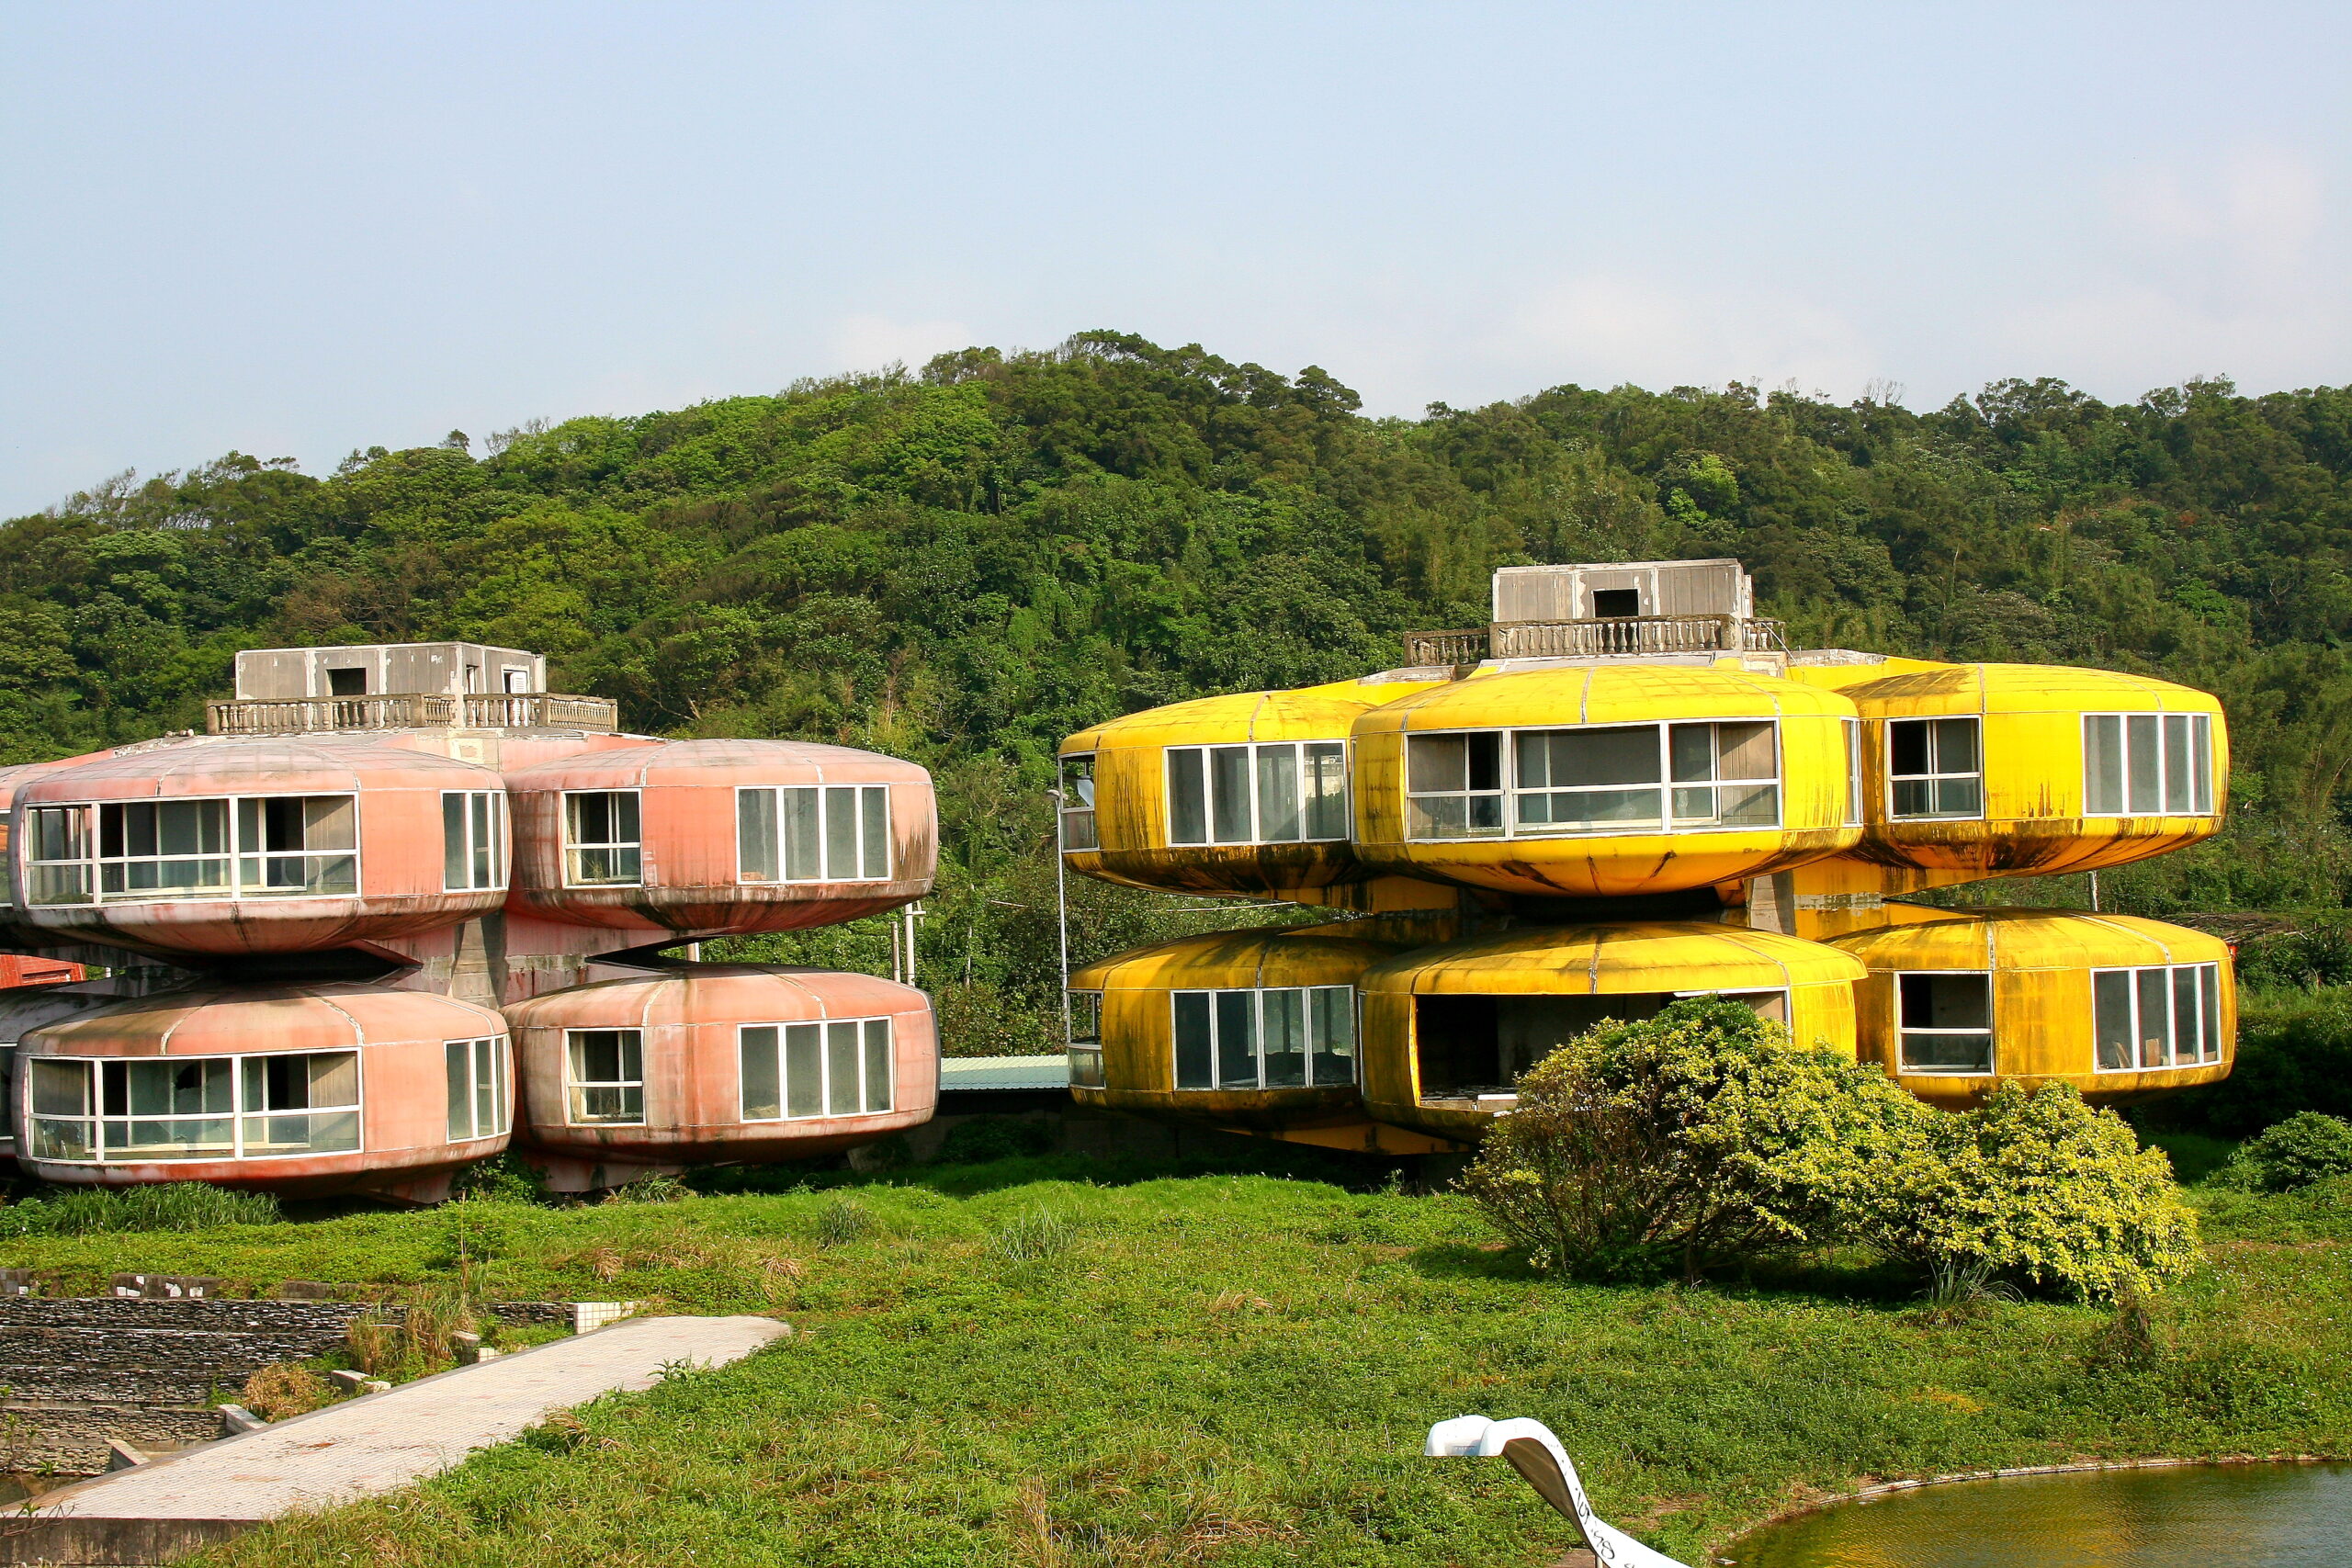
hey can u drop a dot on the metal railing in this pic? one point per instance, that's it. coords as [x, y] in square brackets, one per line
[1628, 636]
[419, 710]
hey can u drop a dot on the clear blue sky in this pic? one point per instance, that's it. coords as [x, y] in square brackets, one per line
[294, 230]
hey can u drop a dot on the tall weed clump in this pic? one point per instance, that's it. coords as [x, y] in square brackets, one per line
[169, 1206]
[1704, 1137]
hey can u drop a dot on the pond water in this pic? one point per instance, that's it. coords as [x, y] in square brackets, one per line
[2229, 1515]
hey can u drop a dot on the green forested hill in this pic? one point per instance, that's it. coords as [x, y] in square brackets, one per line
[964, 564]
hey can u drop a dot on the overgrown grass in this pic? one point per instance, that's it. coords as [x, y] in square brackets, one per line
[1011, 1369]
[174, 1206]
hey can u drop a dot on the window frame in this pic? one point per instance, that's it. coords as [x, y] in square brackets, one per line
[1886, 757]
[87, 820]
[2202, 784]
[1857, 777]
[2207, 1008]
[574, 1085]
[864, 792]
[1258, 995]
[1085, 1008]
[499, 1051]
[500, 844]
[1077, 774]
[1255, 751]
[572, 848]
[1667, 784]
[237, 1115]
[1991, 1029]
[864, 1025]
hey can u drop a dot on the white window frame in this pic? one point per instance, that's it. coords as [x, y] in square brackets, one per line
[2198, 729]
[1665, 786]
[237, 1116]
[1256, 751]
[1991, 1031]
[489, 1073]
[475, 805]
[2206, 1009]
[1085, 1042]
[827, 803]
[85, 817]
[864, 1043]
[574, 1086]
[1857, 791]
[1934, 777]
[1258, 995]
[1080, 829]
[573, 848]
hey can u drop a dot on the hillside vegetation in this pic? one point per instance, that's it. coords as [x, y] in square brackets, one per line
[964, 564]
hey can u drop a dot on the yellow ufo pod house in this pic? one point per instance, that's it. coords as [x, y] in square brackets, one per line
[2119, 1006]
[1251, 1030]
[1606, 779]
[1237, 794]
[2027, 769]
[1448, 1030]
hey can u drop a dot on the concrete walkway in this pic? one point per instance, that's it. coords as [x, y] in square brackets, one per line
[184, 1500]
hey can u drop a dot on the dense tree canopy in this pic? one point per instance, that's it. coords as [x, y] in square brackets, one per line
[961, 565]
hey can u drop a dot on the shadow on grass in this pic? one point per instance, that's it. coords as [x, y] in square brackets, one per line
[1354, 1173]
[1837, 1280]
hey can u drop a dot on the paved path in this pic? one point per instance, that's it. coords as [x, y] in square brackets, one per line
[362, 1446]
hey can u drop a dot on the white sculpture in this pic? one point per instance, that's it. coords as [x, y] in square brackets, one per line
[1535, 1453]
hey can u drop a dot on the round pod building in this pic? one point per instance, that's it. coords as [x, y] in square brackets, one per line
[237, 848]
[301, 1090]
[1246, 794]
[1254, 1030]
[718, 1062]
[690, 839]
[2121, 1008]
[1448, 1030]
[1604, 780]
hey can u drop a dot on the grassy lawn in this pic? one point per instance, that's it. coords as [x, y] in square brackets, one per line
[1015, 1365]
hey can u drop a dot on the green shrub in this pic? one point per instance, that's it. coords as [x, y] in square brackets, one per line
[1698, 1137]
[502, 1179]
[986, 1138]
[2305, 1149]
[170, 1206]
[2036, 1186]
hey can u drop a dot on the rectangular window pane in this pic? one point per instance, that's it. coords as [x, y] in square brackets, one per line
[2156, 1018]
[878, 1075]
[1959, 797]
[1615, 756]
[1953, 1053]
[2179, 798]
[1691, 752]
[1853, 772]
[1436, 765]
[489, 841]
[2210, 1008]
[874, 833]
[2141, 771]
[798, 808]
[804, 1069]
[1230, 793]
[1947, 1001]
[843, 1061]
[1907, 746]
[1188, 808]
[1195, 1068]
[2186, 1015]
[501, 1068]
[2201, 766]
[2103, 765]
[1078, 803]
[2112, 1018]
[1956, 746]
[1237, 1040]
[841, 833]
[1332, 1026]
[1326, 790]
[1614, 808]
[1484, 754]
[755, 844]
[1284, 1022]
[1746, 752]
[456, 863]
[60, 1089]
[763, 1084]
[1441, 816]
[1278, 794]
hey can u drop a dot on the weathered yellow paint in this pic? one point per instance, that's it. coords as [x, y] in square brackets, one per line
[1586, 961]
[1140, 1024]
[1813, 780]
[1131, 791]
[2034, 822]
[2040, 962]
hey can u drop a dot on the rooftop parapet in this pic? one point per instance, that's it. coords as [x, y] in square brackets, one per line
[467, 710]
[1621, 610]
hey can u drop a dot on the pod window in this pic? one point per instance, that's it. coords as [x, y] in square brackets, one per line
[1086, 1039]
[1945, 1021]
[173, 1108]
[1935, 767]
[1078, 831]
[605, 1076]
[814, 833]
[280, 846]
[2167, 1016]
[473, 840]
[1289, 1037]
[1594, 779]
[2147, 764]
[478, 1077]
[797, 1071]
[1854, 791]
[603, 840]
[1284, 793]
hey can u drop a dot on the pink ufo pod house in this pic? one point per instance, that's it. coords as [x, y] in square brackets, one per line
[705, 1063]
[302, 1089]
[239, 848]
[690, 839]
